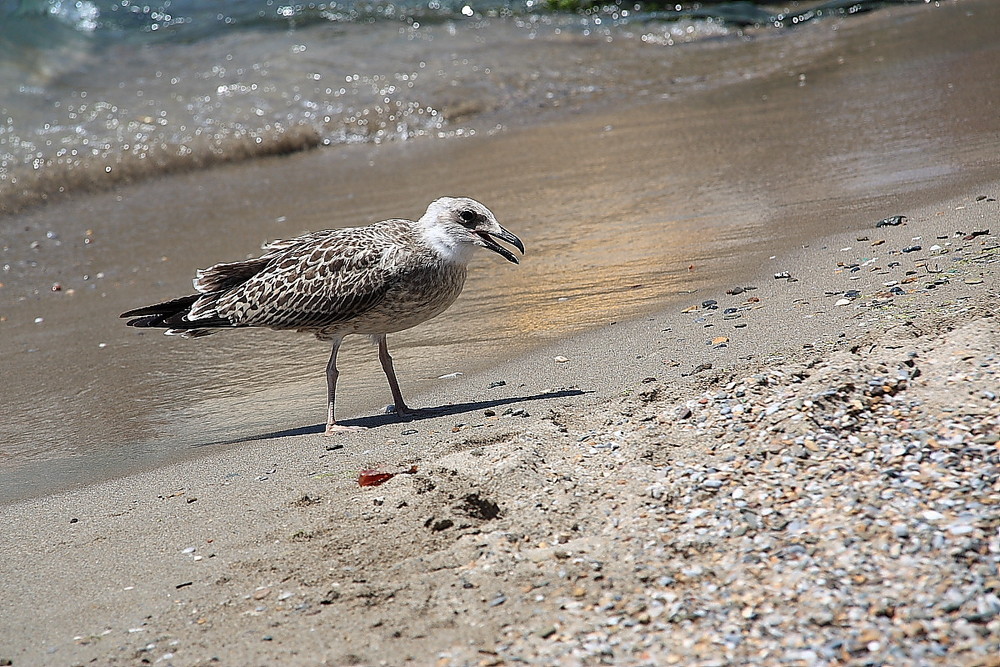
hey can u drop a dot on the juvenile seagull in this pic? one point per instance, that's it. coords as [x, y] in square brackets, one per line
[372, 280]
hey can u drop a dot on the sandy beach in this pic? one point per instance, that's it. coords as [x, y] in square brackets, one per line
[780, 448]
[674, 490]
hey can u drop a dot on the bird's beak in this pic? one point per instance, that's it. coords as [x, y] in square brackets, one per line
[498, 232]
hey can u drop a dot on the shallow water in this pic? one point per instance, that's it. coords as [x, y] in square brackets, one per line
[622, 207]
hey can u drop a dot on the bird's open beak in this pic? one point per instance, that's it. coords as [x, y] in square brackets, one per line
[502, 234]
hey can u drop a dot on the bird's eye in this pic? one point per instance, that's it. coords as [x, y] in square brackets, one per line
[467, 215]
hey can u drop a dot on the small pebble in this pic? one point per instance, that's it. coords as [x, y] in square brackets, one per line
[891, 221]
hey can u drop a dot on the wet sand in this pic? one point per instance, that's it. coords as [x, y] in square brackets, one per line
[720, 183]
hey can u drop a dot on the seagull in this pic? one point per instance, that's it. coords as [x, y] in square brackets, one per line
[373, 280]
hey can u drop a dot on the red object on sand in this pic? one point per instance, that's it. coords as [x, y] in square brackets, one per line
[374, 477]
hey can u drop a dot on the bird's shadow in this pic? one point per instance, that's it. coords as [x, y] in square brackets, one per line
[375, 421]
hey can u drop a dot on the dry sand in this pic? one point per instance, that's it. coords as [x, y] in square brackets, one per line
[678, 488]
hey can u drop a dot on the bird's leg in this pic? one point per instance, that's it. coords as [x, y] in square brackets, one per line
[397, 396]
[332, 426]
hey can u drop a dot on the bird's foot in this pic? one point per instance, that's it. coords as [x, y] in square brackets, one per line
[336, 429]
[412, 413]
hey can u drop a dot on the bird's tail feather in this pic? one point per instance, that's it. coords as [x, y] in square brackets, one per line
[171, 315]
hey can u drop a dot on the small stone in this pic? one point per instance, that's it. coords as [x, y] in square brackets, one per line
[560, 359]
[960, 528]
[891, 221]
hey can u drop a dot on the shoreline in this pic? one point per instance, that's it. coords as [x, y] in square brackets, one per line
[243, 555]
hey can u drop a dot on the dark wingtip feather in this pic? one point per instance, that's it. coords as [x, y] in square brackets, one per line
[165, 309]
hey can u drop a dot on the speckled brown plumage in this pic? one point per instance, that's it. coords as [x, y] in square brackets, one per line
[372, 280]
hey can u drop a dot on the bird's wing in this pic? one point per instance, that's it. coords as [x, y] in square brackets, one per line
[277, 247]
[226, 276]
[323, 279]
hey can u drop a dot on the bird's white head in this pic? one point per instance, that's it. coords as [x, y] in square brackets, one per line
[455, 226]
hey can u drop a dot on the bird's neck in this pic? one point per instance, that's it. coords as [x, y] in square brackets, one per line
[445, 246]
